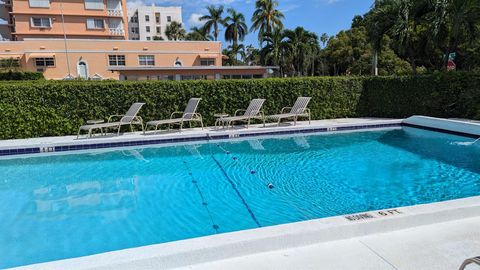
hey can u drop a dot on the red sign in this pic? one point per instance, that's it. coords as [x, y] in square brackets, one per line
[451, 65]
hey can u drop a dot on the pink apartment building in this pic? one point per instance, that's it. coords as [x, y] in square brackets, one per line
[89, 39]
[125, 59]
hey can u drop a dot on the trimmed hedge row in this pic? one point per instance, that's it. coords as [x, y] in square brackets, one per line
[53, 108]
[446, 95]
[20, 76]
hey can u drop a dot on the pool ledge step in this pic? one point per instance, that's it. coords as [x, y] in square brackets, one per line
[229, 245]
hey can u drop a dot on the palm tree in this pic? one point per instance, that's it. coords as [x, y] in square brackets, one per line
[252, 56]
[303, 45]
[266, 17]
[213, 20]
[233, 51]
[452, 18]
[236, 29]
[400, 20]
[275, 50]
[324, 38]
[198, 34]
[175, 31]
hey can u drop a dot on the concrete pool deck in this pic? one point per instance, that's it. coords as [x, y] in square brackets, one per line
[48, 145]
[437, 246]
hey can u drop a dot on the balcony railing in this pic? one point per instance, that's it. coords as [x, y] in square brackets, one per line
[114, 12]
[116, 31]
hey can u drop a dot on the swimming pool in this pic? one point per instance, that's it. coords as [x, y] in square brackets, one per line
[71, 205]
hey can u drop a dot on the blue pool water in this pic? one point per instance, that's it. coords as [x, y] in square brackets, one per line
[66, 206]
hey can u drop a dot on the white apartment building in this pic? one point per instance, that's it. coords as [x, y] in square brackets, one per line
[150, 22]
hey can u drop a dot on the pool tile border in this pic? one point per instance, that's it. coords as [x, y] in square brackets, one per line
[193, 138]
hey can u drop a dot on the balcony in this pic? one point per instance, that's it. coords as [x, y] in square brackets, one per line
[116, 31]
[114, 12]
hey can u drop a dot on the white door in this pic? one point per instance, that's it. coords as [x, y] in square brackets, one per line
[82, 70]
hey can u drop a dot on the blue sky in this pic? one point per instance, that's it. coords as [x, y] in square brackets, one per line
[320, 16]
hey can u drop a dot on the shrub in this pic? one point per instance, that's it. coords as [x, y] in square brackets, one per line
[51, 108]
[20, 76]
[453, 94]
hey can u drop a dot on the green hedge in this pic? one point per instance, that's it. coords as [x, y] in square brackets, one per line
[52, 108]
[20, 76]
[454, 94]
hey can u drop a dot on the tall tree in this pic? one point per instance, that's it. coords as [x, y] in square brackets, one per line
[452, 19]
[198, 34]
[175, 31]
[266, 17]
[302, 44]
[236, 28]
[275, 50]
[214, 20]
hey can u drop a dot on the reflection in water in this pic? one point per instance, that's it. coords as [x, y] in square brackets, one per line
[93, 198]
[302, 142]
[256, 145]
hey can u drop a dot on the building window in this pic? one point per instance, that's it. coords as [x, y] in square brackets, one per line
[94, 4]
[45, 62]
[149, 38]
[134, 30]
[39, 3]
[147, 28]
[157, 18]
[134, 19]
[42, 22]
[116, 60]
[193, 77]
[207, 62]
[147, 18]
[95, 24]
[146, 60]
[159, 30]
[169, 18]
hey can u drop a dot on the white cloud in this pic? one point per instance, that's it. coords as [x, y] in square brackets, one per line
[194, 20]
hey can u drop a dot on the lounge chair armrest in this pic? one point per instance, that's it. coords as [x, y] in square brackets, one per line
[285, 108]
[237, 111]
[115, 115]
[197, 115]
[139, 119]
[175, 113]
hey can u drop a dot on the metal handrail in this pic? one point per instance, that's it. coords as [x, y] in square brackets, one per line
[475, 260]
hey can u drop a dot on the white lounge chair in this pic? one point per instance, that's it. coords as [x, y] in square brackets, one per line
[254, 111]
[299, 109]
[129, 118]
[188, 115]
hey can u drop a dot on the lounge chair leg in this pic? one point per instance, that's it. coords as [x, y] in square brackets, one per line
[90, 133]
[78, 134]
[201, 123]
[118, 132]
[248, 123]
